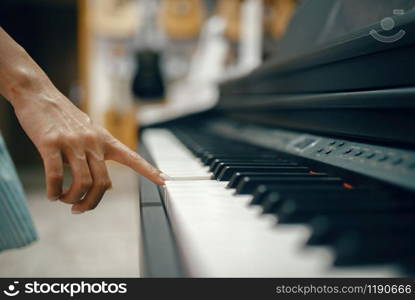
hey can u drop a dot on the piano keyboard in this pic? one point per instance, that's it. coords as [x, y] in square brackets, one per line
[239, 210]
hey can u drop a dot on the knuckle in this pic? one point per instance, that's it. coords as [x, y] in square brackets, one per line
[92, 206]
[55, 177]
[106, 184]
[69, 199]
[71, 138]
[81, 159]
[90, 136]
[86, 183]
[103, 184]
[51, 140]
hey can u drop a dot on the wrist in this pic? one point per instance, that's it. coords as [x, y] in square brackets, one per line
[27, 87]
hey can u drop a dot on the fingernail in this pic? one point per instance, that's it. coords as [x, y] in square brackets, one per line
[76, 212]
[53, 198]
[165, 177]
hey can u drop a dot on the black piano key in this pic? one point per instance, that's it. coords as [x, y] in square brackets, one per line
[303, 210]
[249, 184]
[236, 180]
[298, 171]
[263, 191]
[327, 228]
[217, 162]
[240, 157]
[224, 172]
[286, 205]
[227, 172]
[357, 249]
[327, 198]
[208, 158]
[221, 166]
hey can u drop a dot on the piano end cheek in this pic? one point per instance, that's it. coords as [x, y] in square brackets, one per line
[165, 196]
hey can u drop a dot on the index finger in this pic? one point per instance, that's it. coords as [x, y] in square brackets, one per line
[124, 155]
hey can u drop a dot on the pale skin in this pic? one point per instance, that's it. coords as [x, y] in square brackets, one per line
[62, 133]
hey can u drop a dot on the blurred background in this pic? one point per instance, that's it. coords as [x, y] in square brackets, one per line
[127, 63]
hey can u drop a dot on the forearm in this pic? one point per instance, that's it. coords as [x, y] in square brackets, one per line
[20, 76]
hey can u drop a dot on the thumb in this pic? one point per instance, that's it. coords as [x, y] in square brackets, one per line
[118, 152]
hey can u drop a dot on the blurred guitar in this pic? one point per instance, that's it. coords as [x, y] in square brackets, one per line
[148, 80]
[230, 11]
[182, 19]
[279, 16]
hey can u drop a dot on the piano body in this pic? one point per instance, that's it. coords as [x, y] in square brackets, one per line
[305, 168]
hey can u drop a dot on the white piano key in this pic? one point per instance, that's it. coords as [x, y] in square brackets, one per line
[172, 157]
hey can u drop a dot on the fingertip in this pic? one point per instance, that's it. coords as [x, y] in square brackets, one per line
[159, 180]
[155, 178]
[162, 178]
[165, 177]
[76, 210]
[53, 198]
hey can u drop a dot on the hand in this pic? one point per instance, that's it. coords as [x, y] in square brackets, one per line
[64, 134]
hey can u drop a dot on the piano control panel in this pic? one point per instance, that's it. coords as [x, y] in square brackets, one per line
[396, 166]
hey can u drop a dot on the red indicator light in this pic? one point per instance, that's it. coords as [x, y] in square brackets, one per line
[348, 186]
